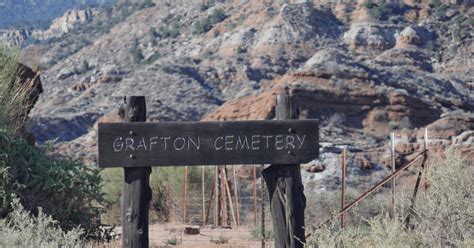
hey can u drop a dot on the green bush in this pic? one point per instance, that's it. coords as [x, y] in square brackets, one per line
[220, 240]
[203, 26]
[152, 35]
[256, 233]
[21, 229]
[384, 10]
[241, 49]
[174, 32]
[65, 189]
[172, 241]
[136, 52]
[153, 58]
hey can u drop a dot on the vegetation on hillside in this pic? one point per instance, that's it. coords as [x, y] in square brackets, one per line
[218, 15]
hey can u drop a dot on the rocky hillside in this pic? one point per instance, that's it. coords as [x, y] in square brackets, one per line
[364, 69]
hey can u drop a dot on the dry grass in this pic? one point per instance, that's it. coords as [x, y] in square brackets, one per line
[442, 217]
[13, 95]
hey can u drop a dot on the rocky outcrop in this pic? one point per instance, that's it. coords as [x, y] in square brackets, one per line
[65, 24]
[14, 37]
[370, 37]
[71, 19]
[307, 23]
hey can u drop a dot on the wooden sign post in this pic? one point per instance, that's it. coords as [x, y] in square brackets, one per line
[136, 146]
[136, 194]
[285, 189]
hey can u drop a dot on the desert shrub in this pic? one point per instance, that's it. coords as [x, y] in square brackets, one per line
[135, 52]
[241, 49]
[256, 233]
[152, 35]
[172, 32]
[66, 189]
[218, 15]
[172, 241]
[146, 4]
[83, 68]
[383, 10]
[442, 217]
[21, 229]
[153, 58]
[220, 240]
[380, 231]
[368, 4]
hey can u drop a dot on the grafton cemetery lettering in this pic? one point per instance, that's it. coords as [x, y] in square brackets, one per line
[207, 143]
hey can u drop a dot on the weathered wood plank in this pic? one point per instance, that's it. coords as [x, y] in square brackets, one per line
[136, 193]
[285, 189]
[207, 143]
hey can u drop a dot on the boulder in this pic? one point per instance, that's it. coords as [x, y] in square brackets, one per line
[370, 37]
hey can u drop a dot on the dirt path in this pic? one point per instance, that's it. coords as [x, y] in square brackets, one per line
[172, 235]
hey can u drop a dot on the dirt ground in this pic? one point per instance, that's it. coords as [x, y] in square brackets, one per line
[172, 235]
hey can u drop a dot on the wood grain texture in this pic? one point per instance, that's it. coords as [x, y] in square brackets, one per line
[285, 189]
[136, 192]
[232, 142]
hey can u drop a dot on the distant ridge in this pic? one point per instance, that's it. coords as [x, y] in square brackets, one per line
[38, 13]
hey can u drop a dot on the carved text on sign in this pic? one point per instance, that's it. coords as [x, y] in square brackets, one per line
[226, 142]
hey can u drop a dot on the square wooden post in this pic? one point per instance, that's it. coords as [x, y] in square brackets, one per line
[285, 189]
[136, 194]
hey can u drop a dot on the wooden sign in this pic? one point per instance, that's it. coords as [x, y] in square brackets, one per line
[207, 143]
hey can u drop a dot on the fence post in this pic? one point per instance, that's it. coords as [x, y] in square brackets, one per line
[392, 159]
[216, 190]
[426, 145]
[185, 194]
[344, 156]
[236, 195]
[136, 192]
[229, 197]
[262, 211]
[418, 179]
[254, 195]
[203, 196]
[225, 220]
[285, 189]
